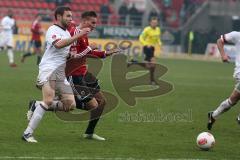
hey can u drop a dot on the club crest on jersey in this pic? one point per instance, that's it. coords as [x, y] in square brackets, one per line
[54, 36]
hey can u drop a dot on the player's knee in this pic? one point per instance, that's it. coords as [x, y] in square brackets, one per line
[92, 104]
[102, 102]
[48, 102]
[235, 97]
[69, 105]
[233, 100]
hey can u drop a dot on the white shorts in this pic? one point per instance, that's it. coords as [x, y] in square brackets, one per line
[6, 40]
[62, 85]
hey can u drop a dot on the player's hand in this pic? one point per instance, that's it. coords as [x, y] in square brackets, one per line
[93, 46]
[112, 51]
[84, 31]
[225, 58]
[41, 31]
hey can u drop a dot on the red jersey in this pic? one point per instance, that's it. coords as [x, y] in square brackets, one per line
[36, 31]
[78, 66]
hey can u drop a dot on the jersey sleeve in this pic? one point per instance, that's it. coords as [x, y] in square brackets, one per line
[99, 54]
[142, 36]
[35, 28]
[52, 36]
[232, 37]
[159, 39]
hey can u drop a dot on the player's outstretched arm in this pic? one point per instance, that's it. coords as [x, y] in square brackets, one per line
[220, 45]
[66, 42]
[113, 51]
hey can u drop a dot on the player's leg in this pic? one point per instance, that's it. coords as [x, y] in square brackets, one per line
[38, 52]
[10, 51]
[65, 102]
[11, 56]
[28, 53]
[91, 99]
[151, 64]
[96, 107]
[2, 41]
[68, 102]
[48, 92]
[224, 106]
[142, 64]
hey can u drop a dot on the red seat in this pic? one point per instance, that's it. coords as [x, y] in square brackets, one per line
[15, 4]
[97, 8]
[89, 7]
[84, 1]
[22, 4]
[78, 1]
[100, 2]
[17, 11]
[17, 17]
[34, 11]
[92, 1]
[44, 5]
[7, 3]
[82, 8]
[30, 4]
[37, 5]
[26, 11]
[51, 6]
[74, 7]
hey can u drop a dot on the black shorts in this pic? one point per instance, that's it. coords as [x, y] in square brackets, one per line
[36, 44]
[84, 88]
[148, 52]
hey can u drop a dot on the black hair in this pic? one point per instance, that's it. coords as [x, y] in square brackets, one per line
[60, 11]
[153, 18]
[87, 14]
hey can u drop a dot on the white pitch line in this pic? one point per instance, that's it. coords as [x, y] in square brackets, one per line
[84, 158]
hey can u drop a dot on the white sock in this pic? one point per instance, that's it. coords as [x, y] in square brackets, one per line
[36, 118]
[10, 56]
[223, 107]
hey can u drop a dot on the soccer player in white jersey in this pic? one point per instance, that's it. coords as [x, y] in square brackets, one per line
[51, 75]
[6, 36]
[232, 37]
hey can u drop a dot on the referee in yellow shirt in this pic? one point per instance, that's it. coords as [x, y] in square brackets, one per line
[150, 37]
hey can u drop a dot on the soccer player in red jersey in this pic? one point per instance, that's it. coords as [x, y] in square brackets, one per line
[35, 40]
[88, 96]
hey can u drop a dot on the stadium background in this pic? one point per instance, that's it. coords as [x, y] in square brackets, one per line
[162, 127]
[125, 19]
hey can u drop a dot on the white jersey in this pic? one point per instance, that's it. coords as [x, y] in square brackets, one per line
[52, 66]
[53, 57]
[234, 37]
[7, 24]
[6, 34]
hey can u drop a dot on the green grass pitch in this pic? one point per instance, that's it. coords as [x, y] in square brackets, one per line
[199, 87]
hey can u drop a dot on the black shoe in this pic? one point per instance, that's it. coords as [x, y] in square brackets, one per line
[211, 120]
